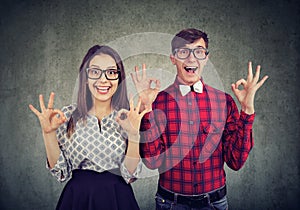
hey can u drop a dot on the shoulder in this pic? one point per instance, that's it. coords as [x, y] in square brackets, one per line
[68, 110]
[168, 92]
[216, 93]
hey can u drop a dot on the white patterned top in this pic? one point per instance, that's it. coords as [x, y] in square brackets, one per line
[93, 146]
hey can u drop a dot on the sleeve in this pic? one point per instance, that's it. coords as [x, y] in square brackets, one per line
[152, 148]
[129, 178]
[62, 169]
[237, 136]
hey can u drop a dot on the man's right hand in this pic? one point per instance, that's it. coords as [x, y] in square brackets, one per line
[143, 87]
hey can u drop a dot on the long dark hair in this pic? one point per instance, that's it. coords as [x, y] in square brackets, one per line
[84, 97]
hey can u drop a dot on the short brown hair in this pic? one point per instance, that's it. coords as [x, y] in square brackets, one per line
[188, 36]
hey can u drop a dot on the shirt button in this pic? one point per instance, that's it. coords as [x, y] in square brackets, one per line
[191, 122]
[189, 103]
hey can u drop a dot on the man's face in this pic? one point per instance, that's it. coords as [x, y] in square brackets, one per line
[189, 70]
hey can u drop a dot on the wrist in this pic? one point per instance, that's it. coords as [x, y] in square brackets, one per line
[49, 133]
[248, 110]
[135, 137]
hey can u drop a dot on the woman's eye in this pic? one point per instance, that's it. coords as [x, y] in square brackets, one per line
[112, 72]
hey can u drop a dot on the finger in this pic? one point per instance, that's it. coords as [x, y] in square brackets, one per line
[234, 89]
[42, 104]
[133, 77]
[121, 115]
[136, 68]
[157, 84]
[144, 75]
[51, 101]
[250, 73]
[156, 81]
[148, 107]
[131, 104]
[34, 110]
[138, 105]
[262, 81]
[240, 82]
[59, 115]
[145, 111]
[58, 119]
[257, 73]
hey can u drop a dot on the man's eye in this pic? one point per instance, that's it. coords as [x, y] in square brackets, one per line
[199, 51]
[183, 51]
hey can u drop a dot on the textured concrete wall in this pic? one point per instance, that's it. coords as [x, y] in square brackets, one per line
[43, 42]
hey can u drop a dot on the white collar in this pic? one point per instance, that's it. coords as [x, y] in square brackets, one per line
[185, 89]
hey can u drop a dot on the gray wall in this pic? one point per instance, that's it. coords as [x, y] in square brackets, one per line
[43, 42]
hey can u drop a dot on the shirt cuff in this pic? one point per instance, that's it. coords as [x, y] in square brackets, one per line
[129, 178]
[60, 169]
[247, 118]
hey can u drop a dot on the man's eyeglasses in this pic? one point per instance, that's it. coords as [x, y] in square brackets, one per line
[200, 53]
[110, 74]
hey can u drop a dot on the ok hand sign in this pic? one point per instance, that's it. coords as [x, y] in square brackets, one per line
[143, 87]
[130, 120]
[250, 86]
[50, 118]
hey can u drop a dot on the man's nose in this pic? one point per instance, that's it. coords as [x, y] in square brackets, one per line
[191, 57]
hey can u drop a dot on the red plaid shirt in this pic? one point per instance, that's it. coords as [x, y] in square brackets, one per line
[188, 138]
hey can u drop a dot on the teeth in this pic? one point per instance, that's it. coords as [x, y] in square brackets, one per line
[102, 88]
[190, 68]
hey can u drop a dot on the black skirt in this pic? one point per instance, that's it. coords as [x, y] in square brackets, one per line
[90, 190]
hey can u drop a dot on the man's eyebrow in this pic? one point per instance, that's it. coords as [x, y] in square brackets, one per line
[196, 46]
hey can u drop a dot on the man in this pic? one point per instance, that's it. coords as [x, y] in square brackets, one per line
[194, 128]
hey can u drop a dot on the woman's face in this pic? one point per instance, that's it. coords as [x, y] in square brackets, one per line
[102, 89]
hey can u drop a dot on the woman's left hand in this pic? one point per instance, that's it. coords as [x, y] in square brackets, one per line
[130, 120]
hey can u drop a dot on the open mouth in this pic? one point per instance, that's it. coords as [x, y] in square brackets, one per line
[191, 69]
[102, 90]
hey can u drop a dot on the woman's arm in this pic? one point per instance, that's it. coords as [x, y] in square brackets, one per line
[130, 121]
[50, 119]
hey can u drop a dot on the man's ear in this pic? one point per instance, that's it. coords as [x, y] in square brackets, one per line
[206, 59]
[173, 59]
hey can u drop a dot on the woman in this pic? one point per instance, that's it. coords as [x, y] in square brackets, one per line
[91, 142]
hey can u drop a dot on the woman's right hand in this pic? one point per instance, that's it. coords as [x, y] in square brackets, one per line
[50, 118]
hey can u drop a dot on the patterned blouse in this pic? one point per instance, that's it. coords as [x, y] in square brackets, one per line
[97, 146]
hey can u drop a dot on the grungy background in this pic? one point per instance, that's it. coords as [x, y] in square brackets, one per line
[43, 43]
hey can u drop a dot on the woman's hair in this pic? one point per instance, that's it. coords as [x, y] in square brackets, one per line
[84, 97]
[188, 36]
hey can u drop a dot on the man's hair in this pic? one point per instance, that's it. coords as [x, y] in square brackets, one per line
[188, 36]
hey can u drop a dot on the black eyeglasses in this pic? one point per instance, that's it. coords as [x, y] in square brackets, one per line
[200, 53]
[96, 73]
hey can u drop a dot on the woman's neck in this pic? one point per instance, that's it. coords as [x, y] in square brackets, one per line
[101, 109]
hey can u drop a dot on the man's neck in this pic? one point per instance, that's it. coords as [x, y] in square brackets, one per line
[181, 81]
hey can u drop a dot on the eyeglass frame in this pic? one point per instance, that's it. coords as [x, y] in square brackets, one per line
[103, 71]
[191, 50]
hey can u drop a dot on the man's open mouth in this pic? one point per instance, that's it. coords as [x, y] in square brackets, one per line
[191, 68]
